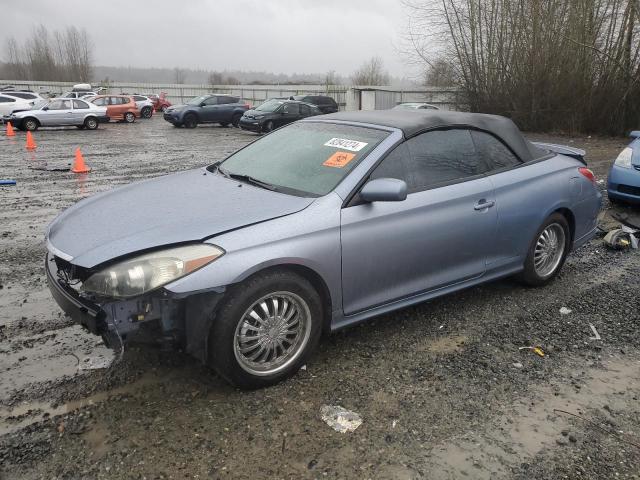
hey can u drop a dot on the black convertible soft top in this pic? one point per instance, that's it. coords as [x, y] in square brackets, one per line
[414, 122]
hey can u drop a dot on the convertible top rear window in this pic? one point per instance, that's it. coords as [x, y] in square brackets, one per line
[305, 158]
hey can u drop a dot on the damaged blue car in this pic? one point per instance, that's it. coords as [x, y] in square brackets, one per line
[623, 183]
[317, 226]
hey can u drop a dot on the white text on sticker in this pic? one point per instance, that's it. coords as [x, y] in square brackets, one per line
[345, 144]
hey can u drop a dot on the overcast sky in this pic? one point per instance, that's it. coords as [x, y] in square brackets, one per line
[303, 36]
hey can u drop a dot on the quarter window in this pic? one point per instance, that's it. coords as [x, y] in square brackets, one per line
[493, 152]
[79, 104]
[211, 101]
[7, 100]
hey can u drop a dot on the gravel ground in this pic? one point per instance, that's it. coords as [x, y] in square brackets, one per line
[444, 389]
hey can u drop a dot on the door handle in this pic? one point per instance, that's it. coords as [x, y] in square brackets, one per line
[483, 204]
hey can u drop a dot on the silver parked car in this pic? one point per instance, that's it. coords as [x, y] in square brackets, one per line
[317, 226]
[61, 112]
[144, 104]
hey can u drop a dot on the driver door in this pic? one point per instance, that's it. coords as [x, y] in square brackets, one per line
[210, 111]
[440, 235]
[59, 113]
[290, 113]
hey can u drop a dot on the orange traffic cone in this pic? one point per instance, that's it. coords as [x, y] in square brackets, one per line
[78, 164]
[10, 132]
[31, 144]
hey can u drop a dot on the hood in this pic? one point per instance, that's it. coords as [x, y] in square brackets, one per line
[183, 207]
[176, 108]
[256, 113]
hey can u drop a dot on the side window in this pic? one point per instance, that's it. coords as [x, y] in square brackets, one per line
[60, 105]
[79, 104]
[394, 165]
[7, 100]
[493, 152]
[138, 98]
[292, 108]
[211, 101]
[304, 110]
[101, 102]
[442, 156]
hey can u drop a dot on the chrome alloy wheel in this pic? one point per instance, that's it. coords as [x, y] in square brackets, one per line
[272, 333]
[549, 250]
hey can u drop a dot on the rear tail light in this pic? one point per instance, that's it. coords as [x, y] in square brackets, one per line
[588, 174]
[247, 106]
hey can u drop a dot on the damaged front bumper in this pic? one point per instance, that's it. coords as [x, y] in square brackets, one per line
[181, 321]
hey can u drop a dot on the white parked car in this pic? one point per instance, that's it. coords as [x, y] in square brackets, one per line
[144, 104]
[10, 104]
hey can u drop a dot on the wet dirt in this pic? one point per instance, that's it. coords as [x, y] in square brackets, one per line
[443, 388]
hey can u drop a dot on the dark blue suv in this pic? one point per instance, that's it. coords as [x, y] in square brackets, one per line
[222, 109]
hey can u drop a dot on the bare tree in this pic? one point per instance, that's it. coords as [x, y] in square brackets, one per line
[179, 75]
[371, 73]
[58, 56]
[549, 64]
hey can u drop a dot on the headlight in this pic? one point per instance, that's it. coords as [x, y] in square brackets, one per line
[150, 271]
[624, 159]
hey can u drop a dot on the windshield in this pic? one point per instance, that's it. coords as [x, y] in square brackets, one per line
[305, 159]
[197, 100]
[39, 104]
[269, 106]
[406, 106]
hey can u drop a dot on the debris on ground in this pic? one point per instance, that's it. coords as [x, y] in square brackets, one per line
[537, 350]
[340, 419]
[596, 335]
[565, 311]
[95, 362]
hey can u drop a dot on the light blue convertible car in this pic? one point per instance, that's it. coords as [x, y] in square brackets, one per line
[623, 184]
[317, 226]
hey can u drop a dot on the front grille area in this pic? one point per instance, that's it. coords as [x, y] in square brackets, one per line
[629, 190]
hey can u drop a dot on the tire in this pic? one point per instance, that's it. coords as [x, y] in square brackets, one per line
[224, 124]
[235, 120]
[190, 121]
[129, 117]
[30, 124]
[547, 252]
[146, 112]
[90, 123]
[235, 335]
[267, 127]
[178, 125]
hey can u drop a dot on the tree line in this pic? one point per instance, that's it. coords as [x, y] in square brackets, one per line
[61, 55]
[569, 65]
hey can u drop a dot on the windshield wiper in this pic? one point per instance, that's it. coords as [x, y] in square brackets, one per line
[247, 179]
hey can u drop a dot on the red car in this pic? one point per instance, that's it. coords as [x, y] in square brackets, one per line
[160, 102]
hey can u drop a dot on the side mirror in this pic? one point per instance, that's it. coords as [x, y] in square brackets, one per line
[45, 108]
[384, 190]
[635, 134]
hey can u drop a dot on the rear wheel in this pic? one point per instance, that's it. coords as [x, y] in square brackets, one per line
[547, 252]
[265, 329]
[129, 117]
[235, 120]
[91, 123]
[30, 124]
[146, 112]
[190, 121]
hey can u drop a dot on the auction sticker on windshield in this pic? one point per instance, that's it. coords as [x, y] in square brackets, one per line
[352, 145]
[339, 159]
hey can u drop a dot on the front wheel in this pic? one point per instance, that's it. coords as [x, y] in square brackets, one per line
[146, 112]
[267, 127]
[31, 124]
[190, 121]
[547, 252]
[265, 329]
[129, 117]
